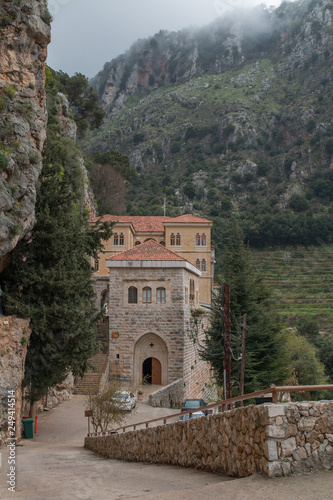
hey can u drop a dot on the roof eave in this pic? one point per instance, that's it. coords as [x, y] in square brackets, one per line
[148, 264]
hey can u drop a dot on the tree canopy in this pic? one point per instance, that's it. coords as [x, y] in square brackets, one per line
[50, 282]
[265, 361]
[82, 99]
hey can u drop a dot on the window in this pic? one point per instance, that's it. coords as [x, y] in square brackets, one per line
[197, 264]
[172, 239]
[132, 295]
[203, 240]
[192, 290]
[161, 295]
[197, 239]
[178, 239]
[203, 266]
[96, 265]
[121, 239]
[186, 295]
[115, 239]
[162, 243]
[146, 295]
[137, 243]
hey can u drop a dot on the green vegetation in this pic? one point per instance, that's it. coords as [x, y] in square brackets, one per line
[301, 282]
[81, 98]
[266, 361]
[50, 279]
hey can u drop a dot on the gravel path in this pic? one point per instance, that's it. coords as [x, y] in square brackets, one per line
[54, 465]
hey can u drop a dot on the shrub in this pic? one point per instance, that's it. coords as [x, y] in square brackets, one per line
[298, 203]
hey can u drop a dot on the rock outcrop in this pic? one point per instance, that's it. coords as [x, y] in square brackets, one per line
[25, 34]
[14, 338]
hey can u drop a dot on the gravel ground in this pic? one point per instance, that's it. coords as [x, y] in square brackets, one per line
[54, 465]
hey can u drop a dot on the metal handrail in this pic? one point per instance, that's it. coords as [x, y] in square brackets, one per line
[274, 390]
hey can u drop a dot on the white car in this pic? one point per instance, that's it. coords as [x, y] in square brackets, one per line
[125, 399]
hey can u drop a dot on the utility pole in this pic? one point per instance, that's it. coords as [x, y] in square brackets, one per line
[227, 340]
[243, 357]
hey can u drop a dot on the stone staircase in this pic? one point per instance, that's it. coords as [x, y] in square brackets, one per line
[89, 383]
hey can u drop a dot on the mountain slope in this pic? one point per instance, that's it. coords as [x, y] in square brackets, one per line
[239, 121]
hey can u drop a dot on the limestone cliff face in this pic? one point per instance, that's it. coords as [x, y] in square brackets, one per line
[294, 32]
[69, 129]
[25, 34]
[14, 337]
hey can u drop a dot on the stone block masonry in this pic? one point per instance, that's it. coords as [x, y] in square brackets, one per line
[274, 440]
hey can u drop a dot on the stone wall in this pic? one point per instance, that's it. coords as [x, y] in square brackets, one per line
[14, 336]
[275, 440]
[170, 396]
[132, 321]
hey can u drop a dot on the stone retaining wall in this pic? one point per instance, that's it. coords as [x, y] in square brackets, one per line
[169, 396]
[275, 440]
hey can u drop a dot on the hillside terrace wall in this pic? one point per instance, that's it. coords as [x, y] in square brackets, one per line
[274, 440]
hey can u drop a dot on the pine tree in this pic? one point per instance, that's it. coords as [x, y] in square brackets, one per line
[50, 281]
[265, 357]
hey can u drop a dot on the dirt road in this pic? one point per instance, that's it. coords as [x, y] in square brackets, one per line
[54, 465]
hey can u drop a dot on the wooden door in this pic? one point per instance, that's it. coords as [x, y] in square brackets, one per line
[156, 371]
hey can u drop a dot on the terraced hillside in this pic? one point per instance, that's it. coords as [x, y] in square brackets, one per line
[302, 281]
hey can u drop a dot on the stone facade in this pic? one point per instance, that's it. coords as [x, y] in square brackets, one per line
[274, 440]
[161, 331]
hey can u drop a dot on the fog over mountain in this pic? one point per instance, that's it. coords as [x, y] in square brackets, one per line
[86, 34]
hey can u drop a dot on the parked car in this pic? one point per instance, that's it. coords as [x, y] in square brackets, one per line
[192, 404]
[125, 399]
[195, 414]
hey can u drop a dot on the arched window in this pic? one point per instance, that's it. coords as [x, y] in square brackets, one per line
[197, 264]
[178, 239]
[203, 239]
[146, 295]
[203, 266]
[197, 239]
[115, 239]
[137, 243]
[132, 295]
[172, 239]
[97, 262]
[161, 295]
[121, 239]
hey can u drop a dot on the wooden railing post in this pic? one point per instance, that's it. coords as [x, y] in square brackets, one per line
[275, 398]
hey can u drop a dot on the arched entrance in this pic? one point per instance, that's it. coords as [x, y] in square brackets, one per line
[151, 371]
[151, 360]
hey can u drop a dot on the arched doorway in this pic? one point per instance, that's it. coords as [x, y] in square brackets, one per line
[151, 371]
[151, 360]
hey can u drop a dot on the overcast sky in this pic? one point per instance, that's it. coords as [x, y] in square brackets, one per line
[88, 33]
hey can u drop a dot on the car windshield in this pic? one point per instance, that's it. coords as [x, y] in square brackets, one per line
[123, 396]
[192, 403]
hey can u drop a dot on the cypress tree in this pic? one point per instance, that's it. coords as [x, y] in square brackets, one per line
[50, 281]
[266, 361]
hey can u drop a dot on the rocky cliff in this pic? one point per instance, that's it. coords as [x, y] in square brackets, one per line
[25, 34]
[14, 338]
[233, 118]
[294, 32]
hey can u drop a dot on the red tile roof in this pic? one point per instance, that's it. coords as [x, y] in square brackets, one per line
[149, 250]
[188, 219]
[141, 224]
[151, 224]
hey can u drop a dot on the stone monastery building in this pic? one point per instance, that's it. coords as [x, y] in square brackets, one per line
[153, 274]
